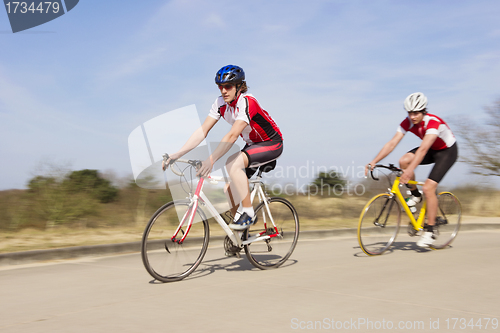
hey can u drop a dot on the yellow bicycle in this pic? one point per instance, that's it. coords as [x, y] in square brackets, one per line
[381, 217]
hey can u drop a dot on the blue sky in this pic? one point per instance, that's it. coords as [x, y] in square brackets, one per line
[333, 74]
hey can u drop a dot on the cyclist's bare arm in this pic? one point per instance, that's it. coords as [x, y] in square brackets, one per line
[386, 150]
[227, 142]
[426, 144]
[196, 138]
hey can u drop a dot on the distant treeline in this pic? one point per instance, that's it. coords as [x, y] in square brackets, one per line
[80, 198]
[85, 199]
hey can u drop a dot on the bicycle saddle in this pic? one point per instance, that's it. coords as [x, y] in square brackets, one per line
[268, 166]
[263, 168]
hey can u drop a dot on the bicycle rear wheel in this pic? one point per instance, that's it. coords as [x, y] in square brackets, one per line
[274, 251]
[379, 224]
[448, 219]
[167, 260]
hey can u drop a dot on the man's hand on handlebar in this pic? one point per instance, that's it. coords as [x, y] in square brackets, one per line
[169, 159]
[369, 167]
[407, 176]
[205, 169]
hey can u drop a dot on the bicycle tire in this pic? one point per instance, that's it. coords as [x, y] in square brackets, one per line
[448, 220]
[379, 224]
[166, 260]
[273, 252]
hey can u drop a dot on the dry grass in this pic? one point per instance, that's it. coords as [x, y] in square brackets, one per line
[479, 202]
[33, 239]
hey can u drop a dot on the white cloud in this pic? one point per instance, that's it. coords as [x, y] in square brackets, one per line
[215, 20]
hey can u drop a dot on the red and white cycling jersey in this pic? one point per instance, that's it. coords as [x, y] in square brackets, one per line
[261, 127]
[430, 124]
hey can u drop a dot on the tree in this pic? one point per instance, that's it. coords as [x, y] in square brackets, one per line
[40, 182]
[328, 183]
[89, 181]
[53, 202]
[482, 150]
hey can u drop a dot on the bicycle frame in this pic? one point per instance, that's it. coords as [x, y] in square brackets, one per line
[418, 223]
[200, 198]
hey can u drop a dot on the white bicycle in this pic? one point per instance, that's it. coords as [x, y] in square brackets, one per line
[172, 249]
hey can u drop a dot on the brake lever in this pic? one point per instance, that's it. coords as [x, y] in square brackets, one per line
[171, 164]
[165, 159]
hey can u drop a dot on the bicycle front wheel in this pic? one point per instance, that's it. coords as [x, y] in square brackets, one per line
[379, 224]
[448, 219]
[165, 259]
[277, 248]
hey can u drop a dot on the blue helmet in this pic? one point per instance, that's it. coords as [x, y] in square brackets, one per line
[230, 74]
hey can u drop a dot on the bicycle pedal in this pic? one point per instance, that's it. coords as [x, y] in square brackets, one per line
[233, 254]
[411, 231]
[227, 217]
[441, 221]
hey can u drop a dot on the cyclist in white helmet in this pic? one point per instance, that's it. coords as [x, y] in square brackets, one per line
[438, 146]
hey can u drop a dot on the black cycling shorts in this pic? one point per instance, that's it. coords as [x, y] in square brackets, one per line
[443, 160]
[261, 153]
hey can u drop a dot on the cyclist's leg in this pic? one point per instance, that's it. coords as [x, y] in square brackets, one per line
[244, 165]
[429, 189]
[404, 162]
[233, 206]
[407, 158]
[444, 159]
[254, 156]
[238, 190]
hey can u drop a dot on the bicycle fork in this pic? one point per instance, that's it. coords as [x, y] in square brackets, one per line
[189, 215]
[376, 222]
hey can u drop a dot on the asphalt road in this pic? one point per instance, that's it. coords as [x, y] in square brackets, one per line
[328, 284]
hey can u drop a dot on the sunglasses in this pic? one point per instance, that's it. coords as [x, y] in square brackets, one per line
[227, 86]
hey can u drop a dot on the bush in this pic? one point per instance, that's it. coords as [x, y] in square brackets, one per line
[56, 202]
[89, 181]
[330, 183]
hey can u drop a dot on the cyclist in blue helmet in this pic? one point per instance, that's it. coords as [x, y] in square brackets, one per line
[230, 74]
[264, 142]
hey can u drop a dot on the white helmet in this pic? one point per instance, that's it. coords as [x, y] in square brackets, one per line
[416, 102]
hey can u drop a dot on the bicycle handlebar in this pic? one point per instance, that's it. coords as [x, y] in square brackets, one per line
[194, 163]
[390, 167]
